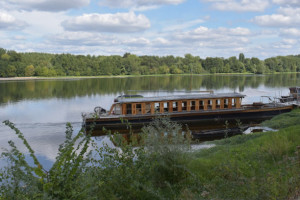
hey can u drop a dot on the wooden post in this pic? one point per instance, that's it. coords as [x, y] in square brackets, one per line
[133, 109]
[205, 101]
[161, 107]
[152, 107]
[221, 103]
[143, 108]
[213, 107]
[188, 105]
[124, 109]
[229, 103]
[179, 106]
[238, 102]
[197, 105]
[170, 106]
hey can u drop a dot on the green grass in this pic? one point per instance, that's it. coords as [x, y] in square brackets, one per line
[284, 120]
[255, 166]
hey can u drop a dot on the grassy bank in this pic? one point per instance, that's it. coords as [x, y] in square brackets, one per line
[255, 166]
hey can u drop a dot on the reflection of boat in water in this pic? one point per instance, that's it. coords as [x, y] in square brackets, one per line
[205, 110]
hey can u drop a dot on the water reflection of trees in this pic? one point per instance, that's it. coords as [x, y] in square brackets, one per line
[44, 89]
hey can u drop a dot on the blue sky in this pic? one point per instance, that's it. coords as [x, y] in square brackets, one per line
[205, 28]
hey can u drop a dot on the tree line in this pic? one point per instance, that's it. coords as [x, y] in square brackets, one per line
[13, 64]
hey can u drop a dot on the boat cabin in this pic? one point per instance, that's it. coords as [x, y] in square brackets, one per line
[175, 104]
[295, 92]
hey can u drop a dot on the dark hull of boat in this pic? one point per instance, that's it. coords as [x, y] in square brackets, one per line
[217, 133]
[195, 120]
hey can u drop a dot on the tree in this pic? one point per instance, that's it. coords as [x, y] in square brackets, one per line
[175, 70]
[242, 57]
[42, 71]
[5, 56]
[29, 70]
[11, 71]
[260, 68]
[164, 69]
[132, 63]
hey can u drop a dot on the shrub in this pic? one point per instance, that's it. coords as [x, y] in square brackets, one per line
[154, 170]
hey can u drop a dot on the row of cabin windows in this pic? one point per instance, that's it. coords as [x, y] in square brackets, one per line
[177, 106]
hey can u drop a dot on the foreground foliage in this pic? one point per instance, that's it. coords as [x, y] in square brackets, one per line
[154, 170]
[163, 166]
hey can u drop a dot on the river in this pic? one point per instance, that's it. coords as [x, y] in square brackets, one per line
[41, 108]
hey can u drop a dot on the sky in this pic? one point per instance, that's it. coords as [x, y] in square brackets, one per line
[205, 28]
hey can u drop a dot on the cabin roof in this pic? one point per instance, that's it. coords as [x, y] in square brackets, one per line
[180, 97]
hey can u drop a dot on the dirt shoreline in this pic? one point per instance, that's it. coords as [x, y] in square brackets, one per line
[44, 78]
[17, 78]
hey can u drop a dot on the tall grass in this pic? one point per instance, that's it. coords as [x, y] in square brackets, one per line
[155, 170]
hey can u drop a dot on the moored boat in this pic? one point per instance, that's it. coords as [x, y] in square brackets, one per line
[195, 110]
[294, 95]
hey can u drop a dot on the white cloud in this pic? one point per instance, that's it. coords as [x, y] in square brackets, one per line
[139, 4]
[220, 38]
[184, 25]
[239, 5]
[275, 20]
[82, 39]
[204, 33]
[294, 32]
[290, 41]
[289, 11]
[41, 23]
[8, 22]
[287, 2]
[45, 5]
[141, 41]
[119, 23]
[287, 17]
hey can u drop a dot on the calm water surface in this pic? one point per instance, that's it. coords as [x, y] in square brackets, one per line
[41, 108]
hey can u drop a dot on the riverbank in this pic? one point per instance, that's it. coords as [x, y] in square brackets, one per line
[254, 166]
[126, 76]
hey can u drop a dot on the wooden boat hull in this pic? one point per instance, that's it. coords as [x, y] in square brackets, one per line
[194, 119]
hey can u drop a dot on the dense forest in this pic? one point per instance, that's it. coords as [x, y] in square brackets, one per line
[13, 64]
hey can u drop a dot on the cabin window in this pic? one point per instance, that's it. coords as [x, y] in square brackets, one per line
[117, 110]
[166, 107]
[193, 105]
[201, 105]
[147, 108]
[234, 103]
[184, 105]
[175, 106]
[138, 108]
[157, 107]
[225, 103]
[218, 103]
[209, 104]
[128, 109]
